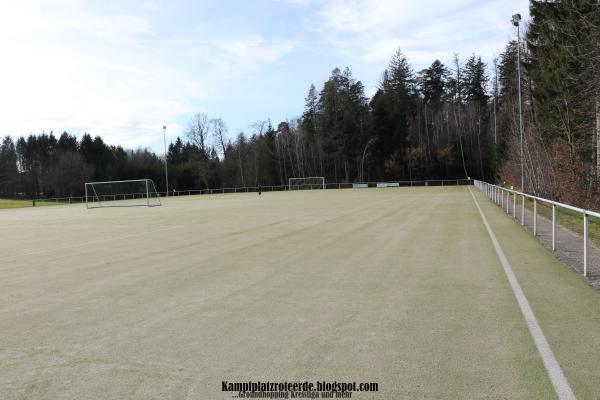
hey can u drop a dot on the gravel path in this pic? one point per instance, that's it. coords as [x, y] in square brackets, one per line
[569, 244]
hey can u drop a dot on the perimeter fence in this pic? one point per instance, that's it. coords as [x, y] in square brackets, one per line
[277, 188]
[567, 230]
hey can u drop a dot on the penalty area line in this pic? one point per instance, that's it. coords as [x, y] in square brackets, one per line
[557, 377]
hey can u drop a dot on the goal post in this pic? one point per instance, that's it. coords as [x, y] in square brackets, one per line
[129, 193]
[313, 182]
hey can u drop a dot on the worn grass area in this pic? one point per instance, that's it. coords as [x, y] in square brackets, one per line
[396, 286]
[10, 203]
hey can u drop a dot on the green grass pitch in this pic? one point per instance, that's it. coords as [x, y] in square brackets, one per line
[396, 286]
[10, 203]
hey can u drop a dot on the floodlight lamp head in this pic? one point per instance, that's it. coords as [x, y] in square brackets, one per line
[516, 19]
[164, 127]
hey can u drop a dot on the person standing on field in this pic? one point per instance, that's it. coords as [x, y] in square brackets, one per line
[259, 189]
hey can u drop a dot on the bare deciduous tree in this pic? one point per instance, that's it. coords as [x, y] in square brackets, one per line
[198, 131]
[219, 132]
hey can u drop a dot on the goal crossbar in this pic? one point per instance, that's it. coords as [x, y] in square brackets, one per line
[311, 182]
[124, 193]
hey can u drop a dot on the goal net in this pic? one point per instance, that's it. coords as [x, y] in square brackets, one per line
[139, 192]
[315, 182]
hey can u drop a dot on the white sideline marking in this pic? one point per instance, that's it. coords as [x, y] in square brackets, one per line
[559, 381]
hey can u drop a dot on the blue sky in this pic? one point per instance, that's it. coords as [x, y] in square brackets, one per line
[123, 69]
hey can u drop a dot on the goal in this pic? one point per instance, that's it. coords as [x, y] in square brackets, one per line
[313, 182]
[132, 193]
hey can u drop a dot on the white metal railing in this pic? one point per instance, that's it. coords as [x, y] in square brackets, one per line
[502, 197]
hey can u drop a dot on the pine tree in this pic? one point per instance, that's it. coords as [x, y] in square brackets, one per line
[309, 117]
[475, 81]
[8, 167]
[432, 83]
[393, 107]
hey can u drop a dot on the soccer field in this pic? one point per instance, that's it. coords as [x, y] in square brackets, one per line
[11, 203]
[402, 287]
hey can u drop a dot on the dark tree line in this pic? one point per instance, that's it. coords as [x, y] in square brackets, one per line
[45, 166]
[431, 124]
[561, 103]
[446, 121]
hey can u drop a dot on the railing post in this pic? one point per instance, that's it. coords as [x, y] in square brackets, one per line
[501, 199]
[585, 242]
[534, 217]
[553, 227]
[515, 205]
[522, 210]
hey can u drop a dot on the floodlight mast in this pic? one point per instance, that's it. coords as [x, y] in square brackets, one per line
[166, 167]
[495, 100]
[516, 21]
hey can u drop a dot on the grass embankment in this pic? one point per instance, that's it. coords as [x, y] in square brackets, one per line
[571, 220]
[11, 203]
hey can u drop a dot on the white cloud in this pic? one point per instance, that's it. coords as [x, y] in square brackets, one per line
[383, 16]
[54, 19]
[299, 2]
[68, 68]
[424, 30]
[63, 69]
[120, 70]
[252, 53]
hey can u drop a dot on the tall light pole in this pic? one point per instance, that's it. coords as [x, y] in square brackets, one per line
[495, 99]
[166, 167]
[516, 21]
[362, 161]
